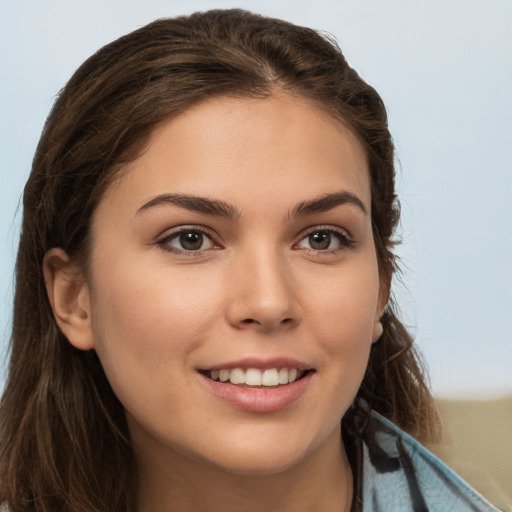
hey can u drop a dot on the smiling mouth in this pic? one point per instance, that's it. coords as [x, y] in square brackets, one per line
[254, 377]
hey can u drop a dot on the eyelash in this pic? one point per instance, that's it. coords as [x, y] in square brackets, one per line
[164, 242]
[346, 242]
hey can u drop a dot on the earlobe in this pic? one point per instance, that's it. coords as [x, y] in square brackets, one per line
[68, 293]
[378, 329]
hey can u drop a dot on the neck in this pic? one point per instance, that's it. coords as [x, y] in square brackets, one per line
[169, 481]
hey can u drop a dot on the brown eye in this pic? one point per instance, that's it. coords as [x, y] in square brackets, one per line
[320, 241]
[323, 240]
[191, 240]
[187, 240]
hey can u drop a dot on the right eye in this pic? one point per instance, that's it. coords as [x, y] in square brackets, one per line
[187, 240]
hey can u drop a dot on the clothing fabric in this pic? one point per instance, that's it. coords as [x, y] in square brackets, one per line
[397, 474]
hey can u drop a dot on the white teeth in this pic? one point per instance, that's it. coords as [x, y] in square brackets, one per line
[255, 377]
[237, 376]
[270, 377]
[283, 376]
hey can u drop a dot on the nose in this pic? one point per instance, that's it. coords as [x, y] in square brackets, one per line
[263, 294]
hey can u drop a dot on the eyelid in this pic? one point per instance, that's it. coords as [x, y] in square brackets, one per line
[344, 236]
[325, 227]
[163, 239]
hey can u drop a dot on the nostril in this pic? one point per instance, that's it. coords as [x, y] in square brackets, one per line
[250, 321]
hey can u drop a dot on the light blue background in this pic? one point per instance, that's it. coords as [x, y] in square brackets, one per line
[444, 69]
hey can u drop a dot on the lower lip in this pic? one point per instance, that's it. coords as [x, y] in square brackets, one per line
[269, 399]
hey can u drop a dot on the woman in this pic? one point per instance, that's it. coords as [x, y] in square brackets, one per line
[203, 280]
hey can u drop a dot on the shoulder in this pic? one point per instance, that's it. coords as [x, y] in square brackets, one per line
[399, 474]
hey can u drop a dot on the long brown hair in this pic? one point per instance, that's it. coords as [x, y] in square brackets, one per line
[64, 442]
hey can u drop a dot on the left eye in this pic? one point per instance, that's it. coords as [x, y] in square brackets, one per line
[188, 240]
[323, 240]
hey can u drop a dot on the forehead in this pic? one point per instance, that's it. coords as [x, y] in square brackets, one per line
[244, 149]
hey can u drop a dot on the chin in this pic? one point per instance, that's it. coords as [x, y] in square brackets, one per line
[265, 462]
[262, 455]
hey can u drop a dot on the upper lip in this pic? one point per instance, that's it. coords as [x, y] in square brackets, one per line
[261, 364]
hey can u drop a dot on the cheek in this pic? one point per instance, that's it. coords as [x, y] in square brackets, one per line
[342, 317]
[141, 304]
[147, 325]
[346, 305]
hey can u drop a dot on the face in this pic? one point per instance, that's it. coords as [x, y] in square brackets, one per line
[233, 291]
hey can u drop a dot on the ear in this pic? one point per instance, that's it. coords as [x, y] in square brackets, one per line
[382, 302]
[69, 297]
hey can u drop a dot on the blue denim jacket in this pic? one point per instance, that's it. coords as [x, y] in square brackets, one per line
[399, 475]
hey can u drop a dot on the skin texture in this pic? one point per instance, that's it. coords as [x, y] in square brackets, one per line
[258, 287]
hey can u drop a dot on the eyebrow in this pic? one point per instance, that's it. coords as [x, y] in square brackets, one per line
[226, 210]
[326, 203]
[193, 203]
